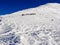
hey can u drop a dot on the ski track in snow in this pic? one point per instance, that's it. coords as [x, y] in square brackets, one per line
[34, 26]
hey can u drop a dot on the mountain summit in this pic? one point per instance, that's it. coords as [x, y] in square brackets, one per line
[35, 26]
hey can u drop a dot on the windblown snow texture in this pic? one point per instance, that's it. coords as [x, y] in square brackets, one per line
[34, 26]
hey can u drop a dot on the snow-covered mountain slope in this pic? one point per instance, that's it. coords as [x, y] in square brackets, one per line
[35, 26]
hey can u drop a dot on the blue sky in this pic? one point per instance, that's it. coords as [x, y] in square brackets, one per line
[10, 6]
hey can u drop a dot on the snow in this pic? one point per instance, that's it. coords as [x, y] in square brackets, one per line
[38, 19]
